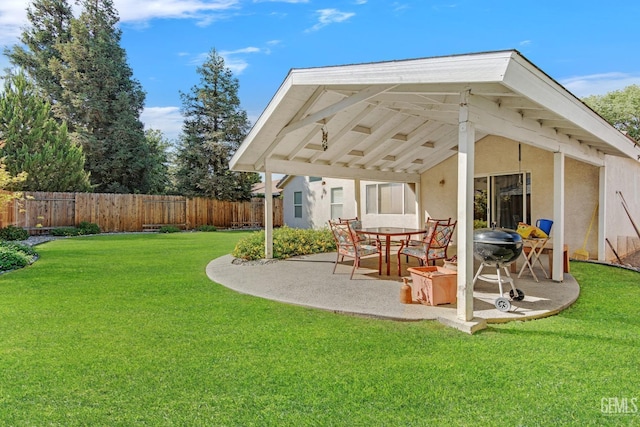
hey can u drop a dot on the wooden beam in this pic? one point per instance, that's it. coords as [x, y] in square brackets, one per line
[505, 122]
[339, 106]
[339, 171]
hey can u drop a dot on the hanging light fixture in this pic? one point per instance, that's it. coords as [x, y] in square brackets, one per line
[325, 138]
[519, 165]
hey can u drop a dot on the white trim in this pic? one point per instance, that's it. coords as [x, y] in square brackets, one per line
[268, 216]
[558, 216]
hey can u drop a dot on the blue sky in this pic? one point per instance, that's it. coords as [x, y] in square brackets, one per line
[588, 46]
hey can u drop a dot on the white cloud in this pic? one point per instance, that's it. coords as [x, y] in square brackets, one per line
[145, 10]
[599, 84]
[233, 59]
[330, 16]
[13, 15]
[281, 1]
[166, 119]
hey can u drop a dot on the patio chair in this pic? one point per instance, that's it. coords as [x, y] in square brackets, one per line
[432, 247]
[351, 244]
[356, 224]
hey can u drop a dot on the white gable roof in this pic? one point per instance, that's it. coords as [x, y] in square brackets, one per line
[391, 121]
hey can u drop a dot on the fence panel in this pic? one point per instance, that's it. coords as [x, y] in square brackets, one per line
[42, 211]
[164, 210]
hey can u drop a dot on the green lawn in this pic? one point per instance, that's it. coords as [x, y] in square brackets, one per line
[126, 330]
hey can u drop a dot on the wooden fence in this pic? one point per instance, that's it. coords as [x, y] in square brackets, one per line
[39, 212]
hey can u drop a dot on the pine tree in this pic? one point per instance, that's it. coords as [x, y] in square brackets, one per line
[213, 129]
[158, 176]
[50, 26]
[103, 102]
[35, 143]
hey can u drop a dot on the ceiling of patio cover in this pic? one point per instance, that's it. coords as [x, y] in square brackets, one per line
[391, 121]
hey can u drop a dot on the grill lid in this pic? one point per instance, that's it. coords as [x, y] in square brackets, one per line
[498, 236]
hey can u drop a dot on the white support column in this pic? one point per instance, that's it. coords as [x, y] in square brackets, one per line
[356, 196]
[466, 159]
[602, 214]
[558, 217]
[419, 207]
[268, 214]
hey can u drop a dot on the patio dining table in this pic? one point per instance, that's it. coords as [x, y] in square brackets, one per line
[387, 233]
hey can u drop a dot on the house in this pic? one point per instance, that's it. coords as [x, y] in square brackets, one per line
[488, 127]
[310, 201]
[257, 190]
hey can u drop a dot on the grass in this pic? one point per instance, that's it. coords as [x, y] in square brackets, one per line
[125, 330]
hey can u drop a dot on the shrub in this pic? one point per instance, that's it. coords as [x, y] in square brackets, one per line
[66, 231]
[83, 228]
[19, 247]
[89, 228]
[11, 232]
[169, 229]
[287, 242]
[11, 259]
[478, 223]
[207, 228]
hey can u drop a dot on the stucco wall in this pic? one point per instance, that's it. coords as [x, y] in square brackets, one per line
[497, 155]
[316, 201]
[316, 206]
[622, 175]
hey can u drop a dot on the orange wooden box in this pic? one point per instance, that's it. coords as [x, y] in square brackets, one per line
[434, 285]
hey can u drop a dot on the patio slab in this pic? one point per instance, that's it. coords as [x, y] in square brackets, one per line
[307, 281]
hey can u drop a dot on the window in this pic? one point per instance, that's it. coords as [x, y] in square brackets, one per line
[297, 204]
[391, 198]
[336, 202]
[502, 199]
[315, 178]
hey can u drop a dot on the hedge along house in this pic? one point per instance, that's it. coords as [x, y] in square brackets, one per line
[451, 125]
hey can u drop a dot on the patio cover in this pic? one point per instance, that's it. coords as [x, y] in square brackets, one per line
[392, 121]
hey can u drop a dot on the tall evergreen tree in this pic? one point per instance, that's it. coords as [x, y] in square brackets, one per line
[50, 25]
[35, 143]
[103, 102]
[158, 176]
[213, 129]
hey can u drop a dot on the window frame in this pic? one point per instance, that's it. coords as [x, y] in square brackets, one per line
[373, 207]
[297, 204]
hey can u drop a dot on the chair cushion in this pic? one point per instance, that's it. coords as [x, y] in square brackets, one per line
[368, 250]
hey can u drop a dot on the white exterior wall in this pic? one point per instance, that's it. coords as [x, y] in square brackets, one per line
[316, 206]
[622, 175]
[316, 201]
[496, 155]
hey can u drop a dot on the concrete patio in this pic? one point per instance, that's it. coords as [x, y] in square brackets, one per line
[307, 281]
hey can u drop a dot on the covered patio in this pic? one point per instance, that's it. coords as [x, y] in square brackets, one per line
[397, 121]
[307, 281]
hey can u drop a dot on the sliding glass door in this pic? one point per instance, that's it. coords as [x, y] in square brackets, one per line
[503, 200]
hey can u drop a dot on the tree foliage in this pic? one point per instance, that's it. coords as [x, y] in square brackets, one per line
[50, 26]
[103, 101]
[7, 182]
[213, 129]
[621, 108]
[158, 176]
[79, 64]
[35, 143]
